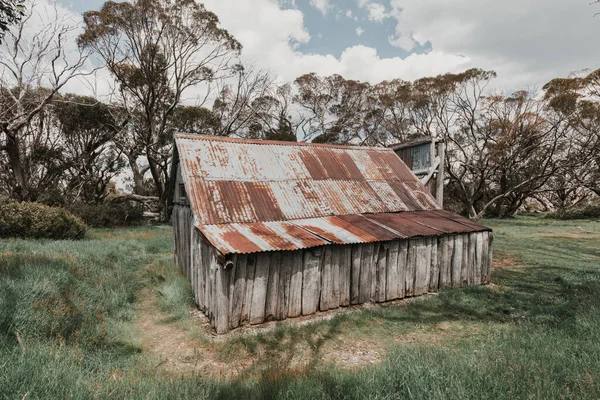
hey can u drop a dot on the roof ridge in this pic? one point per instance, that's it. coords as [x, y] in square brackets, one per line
[275, 142]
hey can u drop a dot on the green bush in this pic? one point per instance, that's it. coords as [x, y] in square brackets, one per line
[37, 221]
[586, 212]
[108, 215]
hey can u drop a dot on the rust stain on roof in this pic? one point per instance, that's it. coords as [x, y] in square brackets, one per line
[346, 229]
[250, 196]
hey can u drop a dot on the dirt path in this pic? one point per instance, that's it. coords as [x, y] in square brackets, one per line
[174, 348]
[178, 352]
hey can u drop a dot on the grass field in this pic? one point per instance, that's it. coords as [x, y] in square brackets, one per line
[109, 317]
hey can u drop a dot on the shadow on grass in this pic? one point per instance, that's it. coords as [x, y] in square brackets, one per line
[534, 296]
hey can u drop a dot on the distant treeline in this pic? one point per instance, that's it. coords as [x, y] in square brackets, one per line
[503, 151]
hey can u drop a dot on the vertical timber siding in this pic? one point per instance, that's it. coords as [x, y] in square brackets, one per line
[279, 285]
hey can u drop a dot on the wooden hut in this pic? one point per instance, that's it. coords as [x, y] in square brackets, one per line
[273, 230]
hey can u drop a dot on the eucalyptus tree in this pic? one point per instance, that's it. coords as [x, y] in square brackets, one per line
[156, 50]
[36, 62]
[90, 158]
[332, 107]
[578, 99]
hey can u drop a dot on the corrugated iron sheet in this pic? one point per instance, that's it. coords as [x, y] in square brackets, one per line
[243, 181]
[345, 229]
[251, 196]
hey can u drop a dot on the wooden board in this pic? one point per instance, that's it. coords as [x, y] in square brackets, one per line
[445, 261]
[283, 292]
[366, 269]
[273, 286]
[393, 276]
[194, 251]
[345, 271]
[238, 293]
[222, 294]
[311, 280]
[373, 271]
[457, 261]
[411, 267]
[402, 262]
[334, 300]
[326, 280]
[247, 303]
[259, 290]
[434, 277]
[489, 259]
[423, 267]
[206, 276]
[355, 273]
[295, 302]
[381, 272]
[472, 264]
[464, 271]
[478, 273]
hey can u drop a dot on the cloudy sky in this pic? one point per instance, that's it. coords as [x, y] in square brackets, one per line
[527, 42]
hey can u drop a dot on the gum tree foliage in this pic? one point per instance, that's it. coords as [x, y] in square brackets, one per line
[91, 158]
[68, 154]
[577, 99]
[331, 107]
[156, 50]
[11, 12]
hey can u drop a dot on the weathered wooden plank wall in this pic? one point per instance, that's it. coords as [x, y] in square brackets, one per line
[278, 285]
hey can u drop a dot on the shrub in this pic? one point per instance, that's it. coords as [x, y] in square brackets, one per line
[37, 221]
[586, 212]
[108, 215]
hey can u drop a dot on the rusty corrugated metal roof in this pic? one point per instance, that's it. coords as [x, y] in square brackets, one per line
[344, 229]
[250, 196]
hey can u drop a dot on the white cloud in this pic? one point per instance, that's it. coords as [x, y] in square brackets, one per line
[377, 12]
[322, 5]
[267, 34]
[525, 44]
[359, 31]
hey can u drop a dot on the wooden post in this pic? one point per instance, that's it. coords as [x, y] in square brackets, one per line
[439, 191]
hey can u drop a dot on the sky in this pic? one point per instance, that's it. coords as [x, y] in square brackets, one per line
[527, 42]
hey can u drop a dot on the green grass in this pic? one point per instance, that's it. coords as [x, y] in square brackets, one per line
[534, 334]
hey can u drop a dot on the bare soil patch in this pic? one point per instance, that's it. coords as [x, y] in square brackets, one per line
[174, 348]
[506, 263]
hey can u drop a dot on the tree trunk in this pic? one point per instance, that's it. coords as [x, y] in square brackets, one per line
[160, 184]
[138, 176]
[13, 151]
